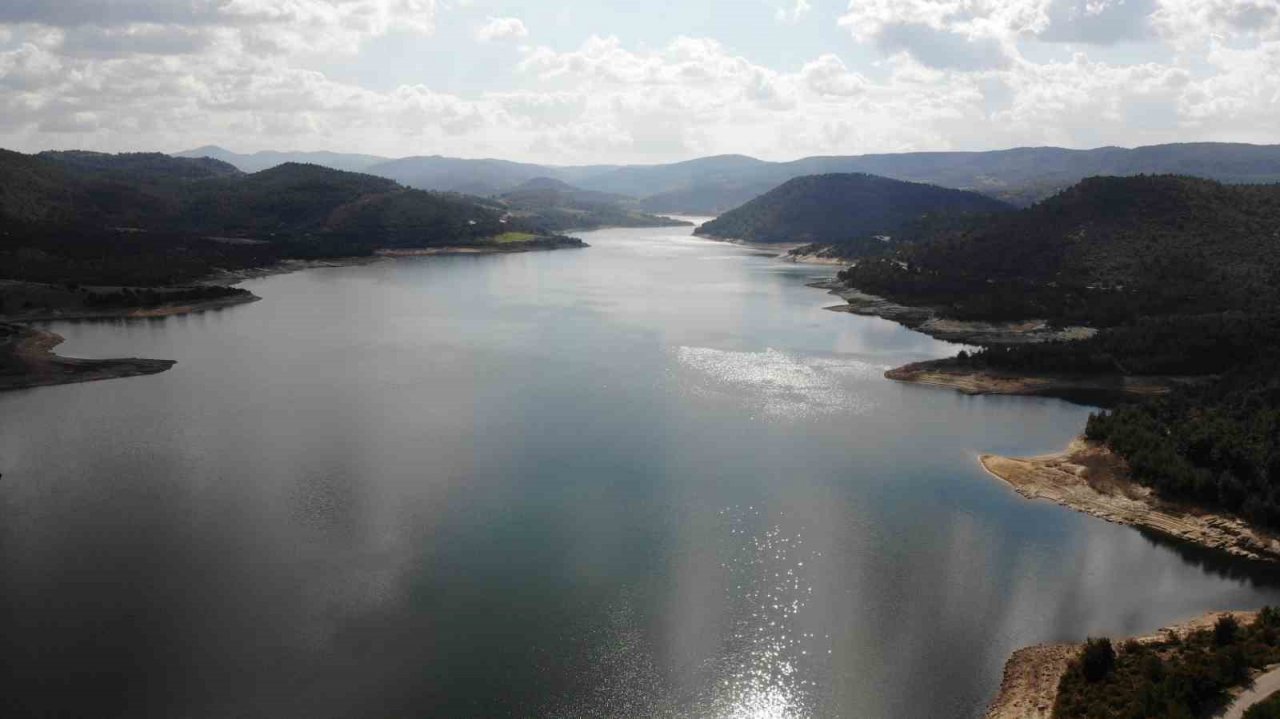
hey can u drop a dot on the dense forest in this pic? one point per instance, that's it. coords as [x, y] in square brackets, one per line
[151, 219]
[861, 214]
[1176, 678]
[1215, 445]
[1183, 278]
[1102, 252]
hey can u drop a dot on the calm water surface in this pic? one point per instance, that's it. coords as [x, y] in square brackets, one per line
[653, 478]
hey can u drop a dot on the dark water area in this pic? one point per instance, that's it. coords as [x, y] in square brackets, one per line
[653, 478]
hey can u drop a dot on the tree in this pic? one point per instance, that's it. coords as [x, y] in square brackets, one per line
[1098, 660]
[1225, 630]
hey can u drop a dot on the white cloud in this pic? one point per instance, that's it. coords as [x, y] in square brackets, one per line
[795, 13]
[970, 34]
[1241, 100]
[1099, 22]
[502, 28]
[977, 34]
[828, 75]
[1186, 22]
[953, 74]
[257, 26]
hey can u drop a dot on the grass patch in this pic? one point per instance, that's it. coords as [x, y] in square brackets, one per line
[507, 238]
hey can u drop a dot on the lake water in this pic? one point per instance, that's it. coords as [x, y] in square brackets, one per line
[653, 478]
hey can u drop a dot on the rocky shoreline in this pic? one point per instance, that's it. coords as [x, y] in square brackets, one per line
[1087, 476]
[1090, 478]
[779, 249]
[1029, 686]
[929, 321]
[1099, 390]
[133, 313]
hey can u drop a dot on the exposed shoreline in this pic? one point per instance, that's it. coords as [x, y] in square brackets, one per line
[1095, 389]
[26, 353]
[284, 267]
[31, 350]
[1029, 686]
[777, 249]
[929, 321]
[1086, 476]
[1090, 478]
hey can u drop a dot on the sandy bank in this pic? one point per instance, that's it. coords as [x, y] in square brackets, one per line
[27, 360]
[1089, 478]
[929, 321]
[814, 259]
[1030, 682]
[1031, 676]
[1092, 389]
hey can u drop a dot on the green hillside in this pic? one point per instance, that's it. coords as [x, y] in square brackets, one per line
[1103, 251]
[1182, 274]
[855, 211]
[154, 219]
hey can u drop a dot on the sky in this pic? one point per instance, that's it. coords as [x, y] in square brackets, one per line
[623, 81]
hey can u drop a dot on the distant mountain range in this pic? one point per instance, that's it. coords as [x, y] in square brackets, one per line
[855, 211]
[266, 160]
[712, 185]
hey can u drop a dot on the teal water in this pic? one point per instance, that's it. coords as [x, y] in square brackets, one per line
[653, 478]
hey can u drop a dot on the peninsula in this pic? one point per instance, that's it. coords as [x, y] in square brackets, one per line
[1155, 296]
[96, 236]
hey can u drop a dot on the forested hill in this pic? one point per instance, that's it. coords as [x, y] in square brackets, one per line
[1183, 277]
[843, 209]
[1104, 251]
[154, 219]
[85, 187]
